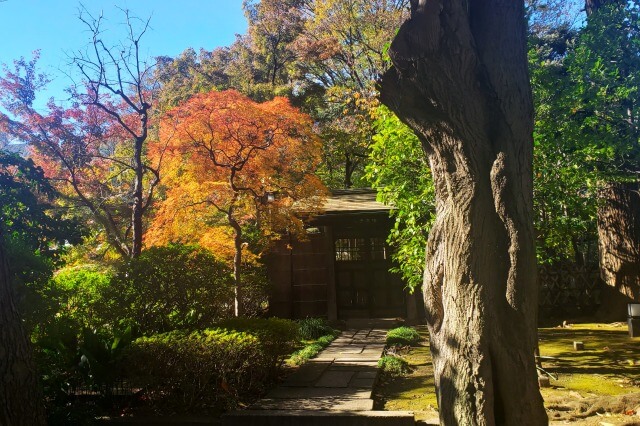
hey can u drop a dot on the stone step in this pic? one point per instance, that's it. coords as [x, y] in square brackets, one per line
[160, 421]
[376, 323]
[314, 404]
[318, 418]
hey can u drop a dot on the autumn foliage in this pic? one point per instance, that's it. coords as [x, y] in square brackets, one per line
[231, 163]
[225, 153]
[92, 150]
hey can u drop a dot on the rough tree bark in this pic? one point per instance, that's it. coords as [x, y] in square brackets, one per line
[460, 81]
[618, 231]
[20, 398]
[619, 248]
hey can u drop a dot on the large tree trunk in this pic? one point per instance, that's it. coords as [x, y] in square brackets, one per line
[460, 82]
[618, 234]
[20, 399]
[619, 248]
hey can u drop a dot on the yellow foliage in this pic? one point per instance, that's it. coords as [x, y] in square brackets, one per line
[222, 153]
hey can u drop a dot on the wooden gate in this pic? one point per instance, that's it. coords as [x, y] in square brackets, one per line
[365, 287]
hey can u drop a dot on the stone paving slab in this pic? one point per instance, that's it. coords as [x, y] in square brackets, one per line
[367, 374]
[376, 346]
[318, 418]
[328, 393]
[323, 358]
[362, 359]
[350, 404]
[362, 383]
[354, 350]
[335, 379]
[307, 374]
[352, 367]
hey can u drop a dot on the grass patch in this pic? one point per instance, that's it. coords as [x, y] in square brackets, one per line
[403, 336]
[311, 348]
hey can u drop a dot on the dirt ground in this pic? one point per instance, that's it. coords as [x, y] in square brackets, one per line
[595, 386]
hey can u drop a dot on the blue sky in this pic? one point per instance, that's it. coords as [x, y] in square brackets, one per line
[53, 27]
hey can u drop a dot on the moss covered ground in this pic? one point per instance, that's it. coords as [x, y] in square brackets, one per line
[415, 390]
[597, 385]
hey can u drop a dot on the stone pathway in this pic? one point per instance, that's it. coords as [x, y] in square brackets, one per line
[337, 383]
[340, 378]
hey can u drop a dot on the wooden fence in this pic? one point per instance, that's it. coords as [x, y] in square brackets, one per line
[569, 289]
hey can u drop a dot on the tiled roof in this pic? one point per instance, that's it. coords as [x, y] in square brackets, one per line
[353, 200]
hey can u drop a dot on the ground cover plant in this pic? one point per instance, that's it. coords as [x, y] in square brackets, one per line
[399, 339]
[311, 349]
[599, 383]
[316, 334]
[602, 379]
[403, 336]
[393, 366]
[314, 328]
[415, 390]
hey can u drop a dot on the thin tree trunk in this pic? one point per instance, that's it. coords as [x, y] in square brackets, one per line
[20, 398]
[138, 198]
[348, 171]
[237, 263]
[460, 82]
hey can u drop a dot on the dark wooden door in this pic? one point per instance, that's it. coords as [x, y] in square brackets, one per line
[365, 288]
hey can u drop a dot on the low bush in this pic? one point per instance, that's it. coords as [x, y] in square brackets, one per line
[278, 337]
[169, 288]
[214, 368]
[393, 366]
[313, 328]
[402, 336]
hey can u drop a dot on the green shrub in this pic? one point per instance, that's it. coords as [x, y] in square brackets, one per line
[402, 336]
[69, 332]
[169, 288]
[279, 337]
[210, 368]
[313, 328]
[393, 366]
[78, 291]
